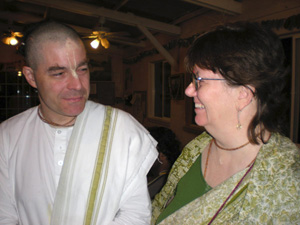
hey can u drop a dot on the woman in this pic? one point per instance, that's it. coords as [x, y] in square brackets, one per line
[242, 170]
[169, 150]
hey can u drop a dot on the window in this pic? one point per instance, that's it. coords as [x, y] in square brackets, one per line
[161, 101]
[292, 50]
[16, 95]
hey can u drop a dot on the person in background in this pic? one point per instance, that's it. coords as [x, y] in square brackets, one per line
[242, 170]
[169, 149]
[69, 160]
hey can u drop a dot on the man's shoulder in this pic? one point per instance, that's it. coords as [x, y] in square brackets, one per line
[102, 108]
[18, 119]
[123, 118]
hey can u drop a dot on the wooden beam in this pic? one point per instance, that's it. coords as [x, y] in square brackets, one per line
[117, 7]
[231, 7]
[158, 46]
[92, 10]
[19, 17]
[190, 16]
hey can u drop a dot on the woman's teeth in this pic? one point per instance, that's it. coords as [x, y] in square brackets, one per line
[199, 106]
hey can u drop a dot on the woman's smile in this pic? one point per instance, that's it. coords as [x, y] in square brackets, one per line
[199, 106]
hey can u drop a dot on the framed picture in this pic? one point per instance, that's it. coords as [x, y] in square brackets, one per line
[176, 83]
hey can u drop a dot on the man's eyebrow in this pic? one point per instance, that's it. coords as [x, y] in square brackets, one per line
[85, 62]
[54, 68]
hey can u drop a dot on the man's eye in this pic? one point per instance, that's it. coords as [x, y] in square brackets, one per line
[57, 74]
[83, 69]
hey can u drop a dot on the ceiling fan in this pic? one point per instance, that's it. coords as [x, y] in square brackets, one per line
[103, 36]
[11, 37]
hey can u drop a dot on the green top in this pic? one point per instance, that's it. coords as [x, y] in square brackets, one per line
[191, 186]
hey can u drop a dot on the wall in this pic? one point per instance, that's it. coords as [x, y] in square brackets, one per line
[8, 54]
[253, 10]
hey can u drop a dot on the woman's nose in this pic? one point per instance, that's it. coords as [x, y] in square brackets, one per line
[190, 90]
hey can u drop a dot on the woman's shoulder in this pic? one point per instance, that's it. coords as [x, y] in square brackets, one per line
[275, 182]
[191, 152]
[281, 151]
[198, 144]
[279, 164]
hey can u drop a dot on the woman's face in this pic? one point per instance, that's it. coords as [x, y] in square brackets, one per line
[215, 101]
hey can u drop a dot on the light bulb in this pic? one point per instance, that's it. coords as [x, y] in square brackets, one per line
[13, 41]
[10, 40]
[95, 43]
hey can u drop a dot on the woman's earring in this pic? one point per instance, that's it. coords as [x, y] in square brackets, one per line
[159, 160]
[239, 125]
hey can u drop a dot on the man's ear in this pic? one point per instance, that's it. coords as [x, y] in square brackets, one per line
[29, 75]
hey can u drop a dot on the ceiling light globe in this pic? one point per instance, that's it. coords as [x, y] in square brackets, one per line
[95, 43]
[13, 41]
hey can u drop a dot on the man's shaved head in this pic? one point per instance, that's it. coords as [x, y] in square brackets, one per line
[45, 32]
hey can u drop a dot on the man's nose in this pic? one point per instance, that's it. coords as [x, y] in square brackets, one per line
[74, 82]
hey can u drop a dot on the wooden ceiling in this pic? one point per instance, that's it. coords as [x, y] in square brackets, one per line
[131, 20]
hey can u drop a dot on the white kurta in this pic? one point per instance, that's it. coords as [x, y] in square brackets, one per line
[31, 157]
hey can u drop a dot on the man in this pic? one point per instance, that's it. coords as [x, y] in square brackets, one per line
[69, 160]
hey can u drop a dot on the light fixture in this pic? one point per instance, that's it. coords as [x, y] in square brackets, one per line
[11, 40]
[95, 43]
[10, 37]
[104, 42]
[19, 73]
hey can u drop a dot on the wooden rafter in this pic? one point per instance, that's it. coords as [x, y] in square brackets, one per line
[91, 10]
[226, 6]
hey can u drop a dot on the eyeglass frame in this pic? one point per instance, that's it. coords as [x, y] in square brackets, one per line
[195, 78]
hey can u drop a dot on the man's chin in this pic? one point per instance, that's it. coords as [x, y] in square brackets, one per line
[75, 109]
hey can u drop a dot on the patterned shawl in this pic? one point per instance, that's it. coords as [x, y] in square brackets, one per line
[269, 194]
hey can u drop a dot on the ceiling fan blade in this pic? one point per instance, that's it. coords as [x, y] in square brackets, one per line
[91, 36]
[17, 34]
[97, 32]
[120, 33]
[104, 42]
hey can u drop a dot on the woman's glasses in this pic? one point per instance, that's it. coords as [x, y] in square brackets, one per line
[197, 80]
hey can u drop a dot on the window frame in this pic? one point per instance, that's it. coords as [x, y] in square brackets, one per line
[163, 120]
[294, 133]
